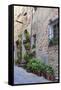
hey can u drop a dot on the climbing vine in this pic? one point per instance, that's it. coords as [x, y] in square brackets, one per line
[27, 41]
[19, 49]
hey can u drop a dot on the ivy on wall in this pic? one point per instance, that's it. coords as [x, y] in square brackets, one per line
[19, 49]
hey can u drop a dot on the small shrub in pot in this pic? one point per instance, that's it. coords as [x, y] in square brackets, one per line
[49, 73]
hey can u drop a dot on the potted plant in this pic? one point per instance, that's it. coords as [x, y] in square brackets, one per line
[42, 69]
[26, 57]
[49, 73]
[17, 62]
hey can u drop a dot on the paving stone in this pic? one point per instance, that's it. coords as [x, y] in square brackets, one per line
[21, 76]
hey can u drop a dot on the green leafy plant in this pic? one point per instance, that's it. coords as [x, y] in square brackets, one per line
[53, 41]
[49, 70]
[24, 42]
[19, 50]
[33, 46]
[34, 65]
[17, 62]
[27, 41]
[27, 35]
[37, 66]
[20, 36]
[27, 45]
[27, 57]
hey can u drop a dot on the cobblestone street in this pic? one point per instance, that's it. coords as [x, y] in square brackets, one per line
[21, 76]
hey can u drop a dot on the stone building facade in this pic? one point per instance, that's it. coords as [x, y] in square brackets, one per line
[39, 23]
[22, 22]
[41, 28]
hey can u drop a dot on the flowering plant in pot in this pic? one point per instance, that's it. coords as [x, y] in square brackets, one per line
[49, 73]
[42, 70]
[35, 65]
[31, 65]
[34, 68]
[38, 66]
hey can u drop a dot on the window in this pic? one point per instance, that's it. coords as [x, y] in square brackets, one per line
[50, 32]
[55, 29]
[53, 32]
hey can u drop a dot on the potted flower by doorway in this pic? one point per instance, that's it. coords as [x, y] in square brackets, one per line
[49, 73]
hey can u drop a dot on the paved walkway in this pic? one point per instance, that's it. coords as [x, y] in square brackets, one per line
[23, 77]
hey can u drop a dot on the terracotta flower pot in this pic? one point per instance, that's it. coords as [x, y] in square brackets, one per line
[47, 76]
[35, 72]
[38, 73]
[42, 74]
[50, 77]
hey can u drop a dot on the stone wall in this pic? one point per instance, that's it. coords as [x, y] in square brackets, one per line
[53, 58]
[19, 28]
[40, 27]
[40, 23]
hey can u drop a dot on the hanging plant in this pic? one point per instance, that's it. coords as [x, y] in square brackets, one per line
[17, 43]
[24, 41]
[19, 50]
[33, 46]
[27, 35]
[27, 45]
[27, 41]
